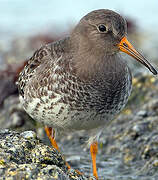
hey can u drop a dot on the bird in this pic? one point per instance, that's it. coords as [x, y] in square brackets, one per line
[81, 82]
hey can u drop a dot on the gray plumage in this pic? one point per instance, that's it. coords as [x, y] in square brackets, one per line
[80, 82]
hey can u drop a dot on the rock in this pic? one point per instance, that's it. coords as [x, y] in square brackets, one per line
[142, 113]
[23, 156]
[7, 86]
[13, 116]
[134, 137]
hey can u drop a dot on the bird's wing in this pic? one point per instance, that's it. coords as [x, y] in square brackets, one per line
[47, 65]
[31, 66]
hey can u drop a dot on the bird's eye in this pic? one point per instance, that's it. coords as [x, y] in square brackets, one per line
[102, 28]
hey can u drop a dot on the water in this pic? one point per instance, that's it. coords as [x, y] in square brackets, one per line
[25, 17]
[21, 18]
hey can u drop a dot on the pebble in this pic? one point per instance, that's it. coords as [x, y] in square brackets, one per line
[29, 134]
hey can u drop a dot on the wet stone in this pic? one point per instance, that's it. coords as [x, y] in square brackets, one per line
[142, 113]
[28, 134]
[22, 156]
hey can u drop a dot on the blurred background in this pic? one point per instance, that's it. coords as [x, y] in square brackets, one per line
[26, 25]
[23, 17]
[37, 22]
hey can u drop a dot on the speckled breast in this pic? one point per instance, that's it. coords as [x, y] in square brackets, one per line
[65, 102]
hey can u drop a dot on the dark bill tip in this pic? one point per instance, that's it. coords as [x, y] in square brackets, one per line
[127, 47]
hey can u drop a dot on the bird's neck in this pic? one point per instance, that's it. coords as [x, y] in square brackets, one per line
[92, 64]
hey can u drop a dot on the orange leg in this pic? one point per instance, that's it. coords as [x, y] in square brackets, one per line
[51, 135]
[94, 151]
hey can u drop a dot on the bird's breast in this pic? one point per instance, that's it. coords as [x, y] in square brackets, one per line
[109, 93]
[63, 100]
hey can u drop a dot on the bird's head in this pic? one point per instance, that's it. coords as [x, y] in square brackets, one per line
[106, 32]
